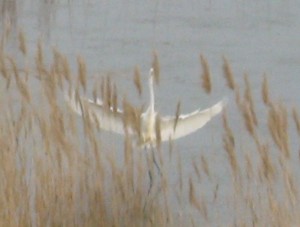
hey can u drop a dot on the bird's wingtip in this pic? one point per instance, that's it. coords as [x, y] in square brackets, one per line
[73, 101]
[219, 106]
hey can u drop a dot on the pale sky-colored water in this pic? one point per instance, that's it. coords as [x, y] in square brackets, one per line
[257, 37]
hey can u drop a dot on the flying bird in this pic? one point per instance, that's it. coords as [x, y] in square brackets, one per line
[152, 128]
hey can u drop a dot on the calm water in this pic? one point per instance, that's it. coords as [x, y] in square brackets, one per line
[114, 36]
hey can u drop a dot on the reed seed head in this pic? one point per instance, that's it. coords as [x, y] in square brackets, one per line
[206, 80]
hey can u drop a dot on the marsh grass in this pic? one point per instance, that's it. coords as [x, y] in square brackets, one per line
[206, 80]
[55, 172]
[228, 74]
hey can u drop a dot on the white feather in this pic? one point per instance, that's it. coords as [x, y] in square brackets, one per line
[188, 123]
[171, 127]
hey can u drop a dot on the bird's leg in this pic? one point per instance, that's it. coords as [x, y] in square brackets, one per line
[159, 171]
[149, 174]
[150, 181]
[150, 169]
[154, 161]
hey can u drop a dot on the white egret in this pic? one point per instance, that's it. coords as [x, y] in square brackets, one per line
[171, 127]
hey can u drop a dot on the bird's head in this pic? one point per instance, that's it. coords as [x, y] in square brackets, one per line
[151, 75]
[154, 76]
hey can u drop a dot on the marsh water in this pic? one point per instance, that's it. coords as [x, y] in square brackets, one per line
[257, 37]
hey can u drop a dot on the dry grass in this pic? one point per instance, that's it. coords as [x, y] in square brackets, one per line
[229, 146]
[22, 42]
[228, 74]
[206, 81]
[265, 91]
[156, 67]
[137, 80]
[55, 171]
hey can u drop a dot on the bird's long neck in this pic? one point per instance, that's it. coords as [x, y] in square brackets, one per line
[151, 106]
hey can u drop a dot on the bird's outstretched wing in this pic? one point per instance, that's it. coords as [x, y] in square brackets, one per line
[107, 118]
[176, 127]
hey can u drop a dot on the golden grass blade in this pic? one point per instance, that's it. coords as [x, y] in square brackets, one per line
[82, 72]
[22, 87]
[249, 99]
[197, 170]
[227, 129]
[137, 80]
[248, 118]
[3, 68]
[229, 146]
[278, 128]
[115, 98]
[291, 188]
[40, 60]
[228, 74]
[156, 67]
[237, 97]
[157, 131]
[296, 119]
[131, 118]
[66, 69]
[206, 81]
[200, 206]
[60, 68]
[265, 91]
[216, 192]
[205, 166]
[102, 89]
[108, 94]
[177, 114]
[249, 167]
[22, 43]
[231, 154]
[267, 167]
